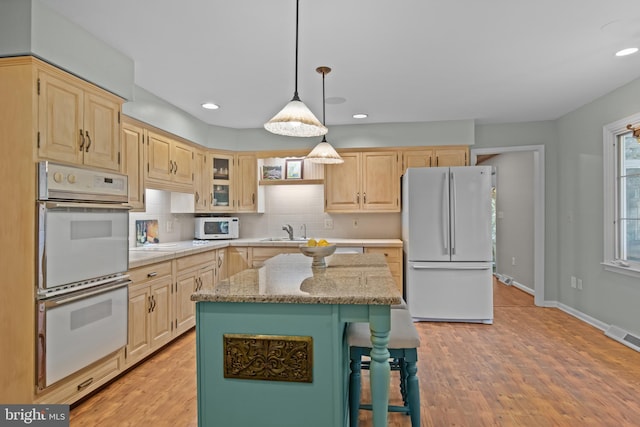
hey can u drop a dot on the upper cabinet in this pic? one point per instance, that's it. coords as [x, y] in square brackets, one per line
[170, 163]
[201, 181]
[426, 157]
[366, 181]
[246, 182]
[233, 183]
[77, 122]
[133, 149]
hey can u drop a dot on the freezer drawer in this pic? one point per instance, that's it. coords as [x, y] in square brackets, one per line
[452, 292]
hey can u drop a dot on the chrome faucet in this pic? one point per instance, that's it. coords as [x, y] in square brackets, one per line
[289, 229]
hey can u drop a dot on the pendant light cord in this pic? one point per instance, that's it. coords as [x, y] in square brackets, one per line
[295, 92]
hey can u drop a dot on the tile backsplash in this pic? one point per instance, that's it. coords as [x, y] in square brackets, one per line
[171, 227]
[297, 205]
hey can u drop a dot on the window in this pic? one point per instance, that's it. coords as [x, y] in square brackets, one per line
[622, 197]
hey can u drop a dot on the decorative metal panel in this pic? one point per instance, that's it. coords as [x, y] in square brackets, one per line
[268, 357]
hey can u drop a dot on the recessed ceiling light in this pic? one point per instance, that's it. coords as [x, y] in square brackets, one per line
[628, 51]
[210, 106]
[360, 116]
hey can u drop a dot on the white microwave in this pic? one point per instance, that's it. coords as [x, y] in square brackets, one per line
[213, 227]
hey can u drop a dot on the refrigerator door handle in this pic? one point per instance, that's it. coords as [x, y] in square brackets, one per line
[438, 267]
[445, 214]
[453, 214]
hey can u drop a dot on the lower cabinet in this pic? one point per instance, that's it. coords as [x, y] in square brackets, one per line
[150, 310]
[160, 306]
[259, 254]
[393, 255]
[238, 259]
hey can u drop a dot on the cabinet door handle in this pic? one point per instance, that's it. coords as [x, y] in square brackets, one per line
[358, 197]
[253, 198]
[364, 197]
[211, 195]
[85, 384]
[150, 309]
[170, 166]
[219, 262]
[81, 140]
[175, 168]
[197, 197]
[152, 274]
[88, 141]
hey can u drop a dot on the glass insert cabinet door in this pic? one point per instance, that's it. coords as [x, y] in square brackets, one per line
[222, 182]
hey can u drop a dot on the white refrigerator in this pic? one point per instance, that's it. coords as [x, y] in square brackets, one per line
[446, 233]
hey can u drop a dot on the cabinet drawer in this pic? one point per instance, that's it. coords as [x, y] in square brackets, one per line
[148, 272]
[195, 260]
[84, 382]
[391, 254]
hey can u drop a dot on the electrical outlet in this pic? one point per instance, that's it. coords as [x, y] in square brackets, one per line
[573, 281]
[513, 260]
[328, 223]
[169, 226]
[580, 284]
[355, 223]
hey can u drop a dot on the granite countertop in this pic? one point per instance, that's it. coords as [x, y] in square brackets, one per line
[153, 253]
[289, 278]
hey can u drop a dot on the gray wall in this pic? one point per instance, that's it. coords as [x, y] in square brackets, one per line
[609, 297]
[514, 219]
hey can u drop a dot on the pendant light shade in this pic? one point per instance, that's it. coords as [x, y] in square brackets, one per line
[295, 119]
[324, 152]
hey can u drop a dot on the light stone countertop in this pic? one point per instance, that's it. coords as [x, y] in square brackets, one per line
[151, 254]
[290, 279]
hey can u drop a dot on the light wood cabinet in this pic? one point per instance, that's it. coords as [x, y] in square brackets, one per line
[77, 122]
[170, 163]
[150, 310]
[259, 254]
[201, 182]
[234, 182]
[238, 259]
[132, 141]
[393, 255]
[365, 182]
[190, 280]
[246, 182]
[435, 156]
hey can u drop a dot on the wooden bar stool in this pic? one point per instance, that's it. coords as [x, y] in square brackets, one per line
[403, 349]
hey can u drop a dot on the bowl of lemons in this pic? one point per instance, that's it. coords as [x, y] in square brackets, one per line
[317, 249]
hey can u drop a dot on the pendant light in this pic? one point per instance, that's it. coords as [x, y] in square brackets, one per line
[295, 119]
[324, 152]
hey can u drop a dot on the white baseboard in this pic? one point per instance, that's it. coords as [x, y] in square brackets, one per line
[578, 315]
[523, 287]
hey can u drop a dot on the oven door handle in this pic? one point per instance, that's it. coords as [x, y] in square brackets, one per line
[60, 205]
[61, 300]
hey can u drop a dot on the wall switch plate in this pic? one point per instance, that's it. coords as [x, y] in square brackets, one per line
[328, 223]
[573, 281]
[580, 284]
[169, 226]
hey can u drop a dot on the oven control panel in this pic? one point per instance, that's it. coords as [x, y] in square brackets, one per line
[64, 182]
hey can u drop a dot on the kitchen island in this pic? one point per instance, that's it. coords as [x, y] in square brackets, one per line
[271, 345]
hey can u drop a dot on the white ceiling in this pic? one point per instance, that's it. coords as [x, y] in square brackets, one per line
[494, 61]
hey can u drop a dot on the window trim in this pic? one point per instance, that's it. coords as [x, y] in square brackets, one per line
[610, 135]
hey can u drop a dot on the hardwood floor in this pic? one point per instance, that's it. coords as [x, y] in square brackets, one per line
[533, 367]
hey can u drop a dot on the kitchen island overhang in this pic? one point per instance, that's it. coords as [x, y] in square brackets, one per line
[271, 345]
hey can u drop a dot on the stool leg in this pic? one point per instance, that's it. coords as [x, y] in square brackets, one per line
[403, 380]
[354, 388]
[413, 391]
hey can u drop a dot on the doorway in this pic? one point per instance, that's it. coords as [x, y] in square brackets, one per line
[538, 208]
